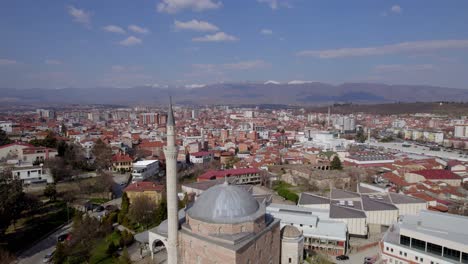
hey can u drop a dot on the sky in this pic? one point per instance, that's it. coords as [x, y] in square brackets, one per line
[126, 43]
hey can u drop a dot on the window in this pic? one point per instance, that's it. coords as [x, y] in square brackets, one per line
[404, 240]
[290, 260]
[391, 250]
[418, 244]
[405, 254]
[416, 258]
[452, 254]
[386, 248]
[464, 257]
[434, 249]
[422, 260]
[401, 253]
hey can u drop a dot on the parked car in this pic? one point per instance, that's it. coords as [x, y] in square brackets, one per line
[369, 260]
[100, 208]
[342, 257]
[48, 258]
[62, 237]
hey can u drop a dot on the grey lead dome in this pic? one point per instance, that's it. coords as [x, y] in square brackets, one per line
[224, 204]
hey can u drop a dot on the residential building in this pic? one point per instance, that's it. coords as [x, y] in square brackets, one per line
[241, 176]
[150, 190]
[122, 162]
[144, 169]
[32, 174]
[446, 176]
[201, 157]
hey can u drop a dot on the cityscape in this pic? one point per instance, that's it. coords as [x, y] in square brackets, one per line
[343, 152]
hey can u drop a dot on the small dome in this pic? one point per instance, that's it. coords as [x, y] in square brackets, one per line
[224, 204]
[290, 232]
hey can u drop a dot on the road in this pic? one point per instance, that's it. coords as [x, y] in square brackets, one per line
[36, 253]
[358, 257]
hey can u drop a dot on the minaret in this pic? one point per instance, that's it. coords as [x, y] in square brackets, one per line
[170, 151]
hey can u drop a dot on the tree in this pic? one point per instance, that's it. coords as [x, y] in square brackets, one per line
[12, 199]
[161, 212]
[4, 139]
[50, 192]
[336, 164]
[104, 182]
[124, 209]
[59, 169]
[142, 210]
[6, 257]
[102, 154]
[360, 137]
[124, 258]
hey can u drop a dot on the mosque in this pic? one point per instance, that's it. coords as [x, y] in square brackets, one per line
[224, 225]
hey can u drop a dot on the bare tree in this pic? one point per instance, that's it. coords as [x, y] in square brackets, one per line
[142, 210]
[102, 154]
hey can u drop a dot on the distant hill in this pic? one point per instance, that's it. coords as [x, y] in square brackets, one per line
[242, 93]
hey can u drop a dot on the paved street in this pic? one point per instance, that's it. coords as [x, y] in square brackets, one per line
[355, 258]
[35, 254]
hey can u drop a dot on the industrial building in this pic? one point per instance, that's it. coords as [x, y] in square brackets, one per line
[428, 238]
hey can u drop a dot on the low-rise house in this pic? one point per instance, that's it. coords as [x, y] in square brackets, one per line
[241, 176]
[32, 174]
[201, 157]
[122, 162]
[434, 176]
[144, 169]
[150, 190]
[13, 150]
[36, 155]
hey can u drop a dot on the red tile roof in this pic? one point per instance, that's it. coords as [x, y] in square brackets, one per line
[144, 186]
[18, 144]
[437, 174]
[121, 157]
[395, 179]
[217, 174]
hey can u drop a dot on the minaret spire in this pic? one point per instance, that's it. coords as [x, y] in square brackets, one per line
[171, 151]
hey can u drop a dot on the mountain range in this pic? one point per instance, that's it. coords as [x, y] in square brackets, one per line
[296, 93]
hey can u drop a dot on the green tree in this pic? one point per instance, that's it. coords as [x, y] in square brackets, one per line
[336, 164]
[12, 199]
[142, 210]
[50, 192]
[360, 137]
[102, 154]
[124, 258]
[4, 139]
[124, 209]
[161, 212]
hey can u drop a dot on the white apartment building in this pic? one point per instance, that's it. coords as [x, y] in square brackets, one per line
[144, 169]
[32, 174]
[428, 238]
[6, 126]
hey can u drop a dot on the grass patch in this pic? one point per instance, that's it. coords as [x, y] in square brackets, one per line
[283, 190]
[98, 200]
[100, 254]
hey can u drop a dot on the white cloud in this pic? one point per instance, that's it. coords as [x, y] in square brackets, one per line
[114, 29]
[275, 4]
[217, 37]
[396, 9]
[138, 29]
[403, 67]
[195, 25]
[299, 82]
[266, 31]
[80, 15]
[130, 41]
[272, 3]
[194, 86]
[7, 62]
[272, 82]
[174, 6]
[403, 47]
[52, 62]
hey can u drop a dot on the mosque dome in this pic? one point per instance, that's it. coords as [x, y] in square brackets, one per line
[290, 232]
[225, 204]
